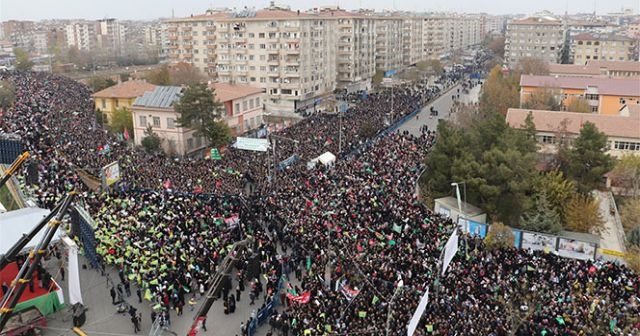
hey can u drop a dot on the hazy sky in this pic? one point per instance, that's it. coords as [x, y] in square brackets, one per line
[152, 9]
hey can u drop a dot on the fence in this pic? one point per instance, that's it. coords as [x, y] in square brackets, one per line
[263, 314]
[563, 245]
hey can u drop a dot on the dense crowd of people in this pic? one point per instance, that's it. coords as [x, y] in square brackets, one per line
[357, 240]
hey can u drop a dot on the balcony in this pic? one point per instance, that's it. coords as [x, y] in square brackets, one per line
[172, 29]
[211, 37]
[237, 39]
[222, 51]
[292, 61]
[291, 28]
[273, 61]
[210, 28]
[223, 71]
[293, 51]
[211, 46]
[173, 46]
[186, 28]
[223, 61]
[173, 37]
[187, 37]
[187, 56]
[188, 46]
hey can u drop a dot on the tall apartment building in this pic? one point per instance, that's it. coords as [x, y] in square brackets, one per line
[412, 42]
[19, 33]
[81, 34]
[388, 47]
[539, 37]
[110, 36]
[443, 35]
[606, 47]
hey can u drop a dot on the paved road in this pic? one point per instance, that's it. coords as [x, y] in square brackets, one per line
[443, 106]
[611, 238]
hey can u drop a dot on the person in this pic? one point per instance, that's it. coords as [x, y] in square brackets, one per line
[136, 324]
[112, 291]
[62, 272]
[127, 287]
[238, 292]
[139, 294]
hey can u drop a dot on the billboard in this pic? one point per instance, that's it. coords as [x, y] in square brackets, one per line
[252, 144]
[477, 229]
[576, 249]
[111, 173]
[538, 241]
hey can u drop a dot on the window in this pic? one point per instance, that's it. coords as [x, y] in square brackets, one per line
[189, 143]
[171, 123]
[244, 105]
[237, 109]
[104, 103]
[117, 103]
[258, 101]
[548, 139]
[156, 121]
[261, 35]
[594, 109]
[590, 96]
[626, 145]
[143, 121]
[198, 142]
[250, 103]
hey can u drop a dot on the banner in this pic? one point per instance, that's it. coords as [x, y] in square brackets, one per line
[302, 298]
[477, 229]
[252, 144]
[518, 238]
[415, 319]
[73, 274]
[348, 292]
[111, 173]
[232, 221]
[576, 249]
[450, 250]
[288, 161]
[538, 241]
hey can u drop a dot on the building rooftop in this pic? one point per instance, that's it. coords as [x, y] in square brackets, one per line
[160, 97]
[468, 210]
[615, 65]
[600, 37]
[608, 86]
[226, 92]
[594, 67]
[550, 121]
[128, 89]
[537, 21]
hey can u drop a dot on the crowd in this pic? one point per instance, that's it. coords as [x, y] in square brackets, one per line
[359, 243]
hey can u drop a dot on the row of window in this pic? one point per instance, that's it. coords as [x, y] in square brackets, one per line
[247, 104]
[619, 145]
[155, 122]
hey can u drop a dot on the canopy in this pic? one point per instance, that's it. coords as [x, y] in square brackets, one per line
[14, 224]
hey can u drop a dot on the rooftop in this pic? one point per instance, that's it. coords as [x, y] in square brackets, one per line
[600, 37]
[537, 21]
[128, 89]
[160, 97]
[608, 86]
[550, 121]
[594, 67]
[226, 92]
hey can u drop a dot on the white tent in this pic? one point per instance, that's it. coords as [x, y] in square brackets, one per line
[327, 159]
[15, 224]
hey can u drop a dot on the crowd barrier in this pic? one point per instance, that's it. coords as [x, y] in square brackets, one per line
[263, 314]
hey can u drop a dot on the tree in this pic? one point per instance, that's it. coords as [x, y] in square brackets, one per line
[98, 83]
[633, 238]
[633, 258]
[199, 111]
[543, 217]
[22, 59]
[557, 190]
[630, 214]
[121, 119]
[124, 77]
[160, 76]
[499, 236]
[377, 78]
[185, 74]
[582, 214]
[543, 99]
[450, 146]
[7, 94]
[499, 92]
[532, 66]
[151, 142]
[626, 173]
[579, 105]
[497, 46]
[434, 65]
[588, 161]
[218, 133]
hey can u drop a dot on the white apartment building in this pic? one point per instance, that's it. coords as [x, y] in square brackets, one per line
[442, 35]
[389, 40]
[110, 35]
[412, 41]
[539, 37]
[81, 34]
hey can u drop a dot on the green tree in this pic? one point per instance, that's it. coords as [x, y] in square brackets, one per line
[22, 59]
[367, 130]
[7, 94]
[450, 146]
[499, 236]
[160, 76]
[124, 77]
[543, 99]
[587, 161]
[499, 92]
[626, 173]
[200, 112]
[151, 142]
[579, 105]
[98, 83]
[557, 189]
[630, 214]
[219, 133]
[543, 217]
[120, 119]
[582, 214]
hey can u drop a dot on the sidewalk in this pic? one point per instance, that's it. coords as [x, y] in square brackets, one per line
[611, 238]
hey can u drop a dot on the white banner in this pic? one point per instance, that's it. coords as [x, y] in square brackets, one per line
[259, 145]
[73, 273]
[450, 250]
[413, 324]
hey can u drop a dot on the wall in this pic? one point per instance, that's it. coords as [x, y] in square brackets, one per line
[611, 104]
[110, 105]
[176, 139]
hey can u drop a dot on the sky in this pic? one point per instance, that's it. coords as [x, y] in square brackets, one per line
[154, 9]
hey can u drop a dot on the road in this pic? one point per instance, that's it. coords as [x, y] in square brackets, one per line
[443, 105]
[610, 238]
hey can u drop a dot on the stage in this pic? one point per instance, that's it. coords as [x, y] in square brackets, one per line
[48, 300]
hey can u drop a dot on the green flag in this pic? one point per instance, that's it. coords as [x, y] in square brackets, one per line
[560, 320]
[308, 263]
[362, 314]
[375, 300]
[215, 154]
[397, 228]
[612, 324]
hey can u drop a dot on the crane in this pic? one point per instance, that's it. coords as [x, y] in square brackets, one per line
[11, 298]
[14, 167]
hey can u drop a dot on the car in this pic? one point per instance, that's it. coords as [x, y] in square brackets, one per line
[25, 322]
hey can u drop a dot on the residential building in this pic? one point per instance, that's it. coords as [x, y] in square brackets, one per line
[444, 35]
[539, 37]
[19, 33]
[110, 36]
[81, 35]
[121, 95]
[586, 47]
[243, 106]
[412, 41]
[597, 69]
[155, 109]
[633, 30]
[604, 95]
[554, 128]
[388, 43]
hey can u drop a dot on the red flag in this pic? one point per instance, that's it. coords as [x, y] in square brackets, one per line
[197, 190]
[167, 184]
[126, 134]
[302, 298]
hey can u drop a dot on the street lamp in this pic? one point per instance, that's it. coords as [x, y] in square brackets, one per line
[457, 185]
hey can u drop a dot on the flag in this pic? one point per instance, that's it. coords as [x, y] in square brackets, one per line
[126, 134]
[362, 314]
[147, 295]
[197, 190]
[308, 263]
[397, 228]
[348, 292]
[612, 324]
[560, 320]
[302, 298]
[375, 300]
[167, 184]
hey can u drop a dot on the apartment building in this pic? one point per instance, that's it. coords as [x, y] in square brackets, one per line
[81, 34]
[604, 95]
[19, 33]
[110, 36]
[606, 47]
[412, 42]
[388, 43]
[443, 35]
[539, 37]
